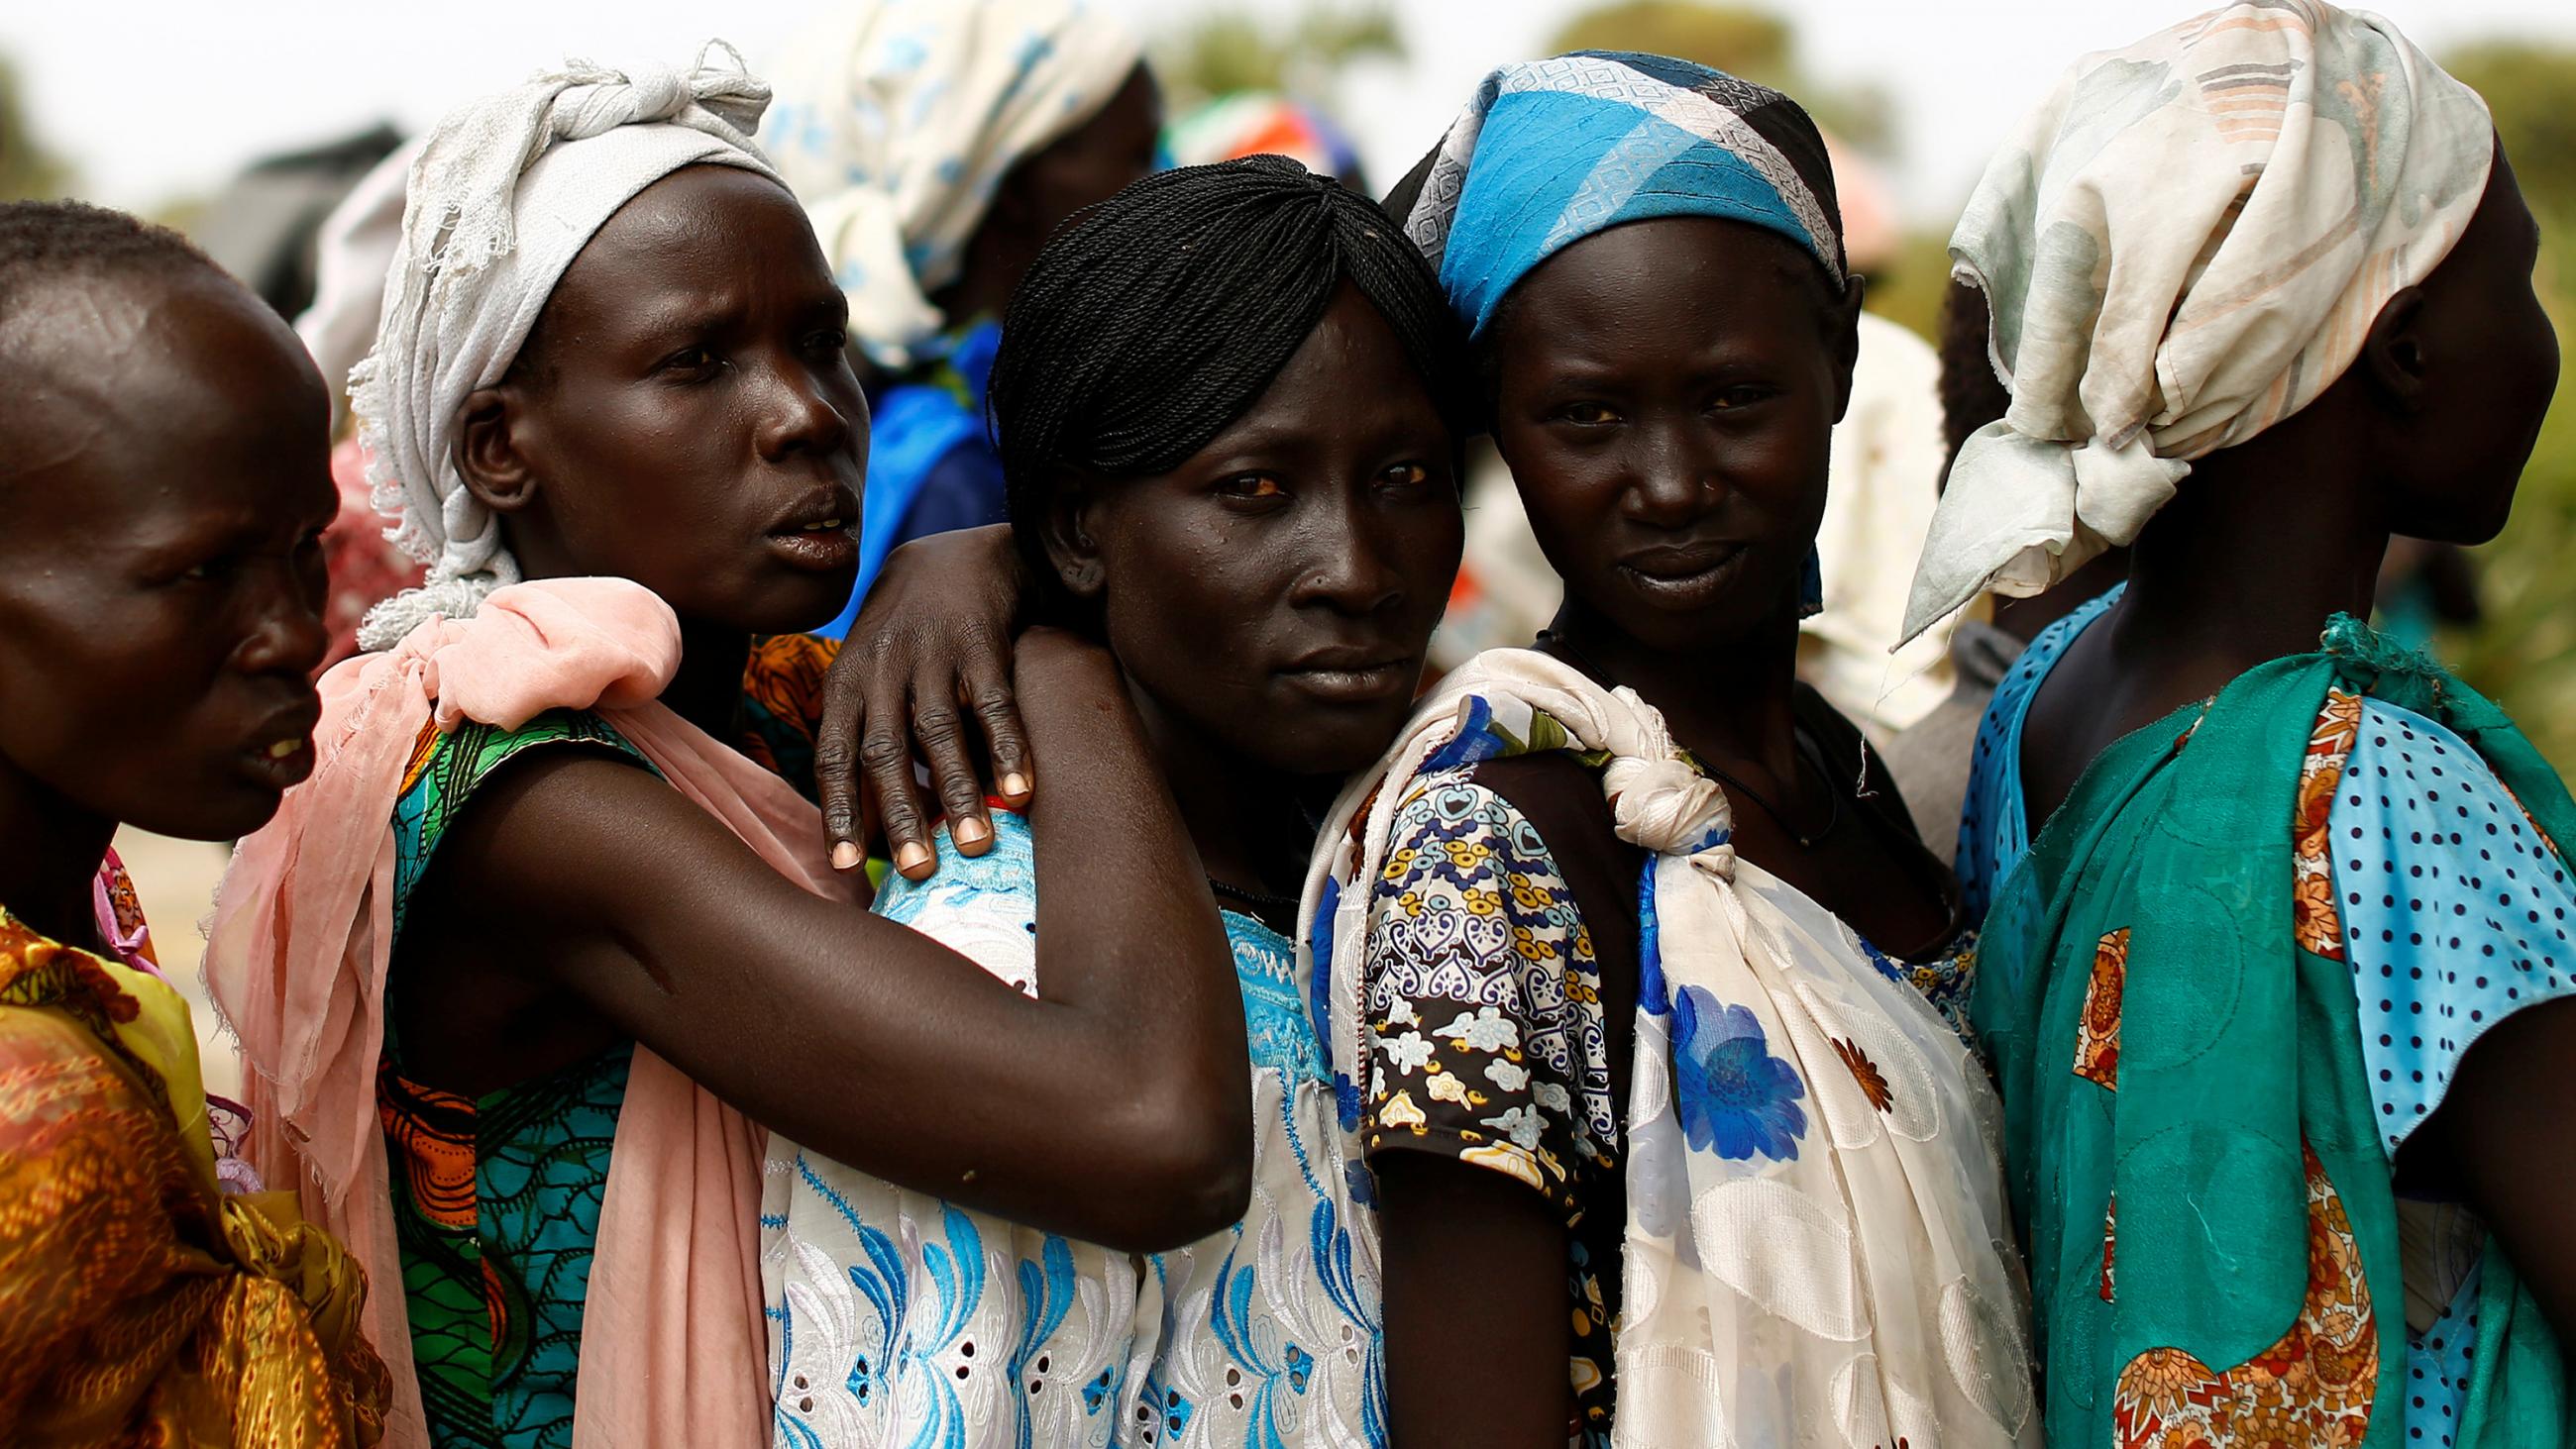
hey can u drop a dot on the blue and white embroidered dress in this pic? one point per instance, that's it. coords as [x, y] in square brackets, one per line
[899, 1319]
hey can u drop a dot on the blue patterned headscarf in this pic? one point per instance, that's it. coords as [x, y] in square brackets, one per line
[1552, 151]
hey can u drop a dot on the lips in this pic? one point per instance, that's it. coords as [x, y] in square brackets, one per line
[280, 752]
[1347, 674]
[1683, 575]
[821, 532]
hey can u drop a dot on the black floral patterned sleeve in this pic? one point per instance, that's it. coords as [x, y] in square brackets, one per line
[1487, 1039]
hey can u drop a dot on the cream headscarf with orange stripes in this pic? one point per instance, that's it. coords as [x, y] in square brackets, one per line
[2186, 244]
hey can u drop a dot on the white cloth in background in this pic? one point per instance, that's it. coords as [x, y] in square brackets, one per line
[897, 120]
[1887, 456]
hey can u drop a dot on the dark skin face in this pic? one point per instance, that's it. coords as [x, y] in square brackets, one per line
[1678, 496]
[1666, 393]
[1273, 595]
[163, 488]
[2425, 434]
[684, 406]
[683, 419]
[1085, 166]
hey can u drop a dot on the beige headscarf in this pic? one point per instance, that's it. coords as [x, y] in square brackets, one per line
[2186, 244]
[897, 119]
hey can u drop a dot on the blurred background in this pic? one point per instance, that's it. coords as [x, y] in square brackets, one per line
[243, 125]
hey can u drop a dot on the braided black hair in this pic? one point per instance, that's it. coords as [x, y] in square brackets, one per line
[1151, 321]
[50, 241]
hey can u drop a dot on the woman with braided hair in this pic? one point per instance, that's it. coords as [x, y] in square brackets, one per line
[1230, 405]
[551, 927]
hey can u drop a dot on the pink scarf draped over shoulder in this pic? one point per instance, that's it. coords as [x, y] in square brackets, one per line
[673, 1351]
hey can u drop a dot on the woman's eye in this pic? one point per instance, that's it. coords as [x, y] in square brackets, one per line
[828, 344]
[1250, 486]
[692, 359]
[1405, 475]
[1738, 397]
[1587, 413]
[206, 571]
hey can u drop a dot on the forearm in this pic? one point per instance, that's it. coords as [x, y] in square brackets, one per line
[842, 1031]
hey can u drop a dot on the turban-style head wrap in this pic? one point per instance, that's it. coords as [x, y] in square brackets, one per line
[1551, 151]
[897, 120]
[2187, 243]
[504, 194]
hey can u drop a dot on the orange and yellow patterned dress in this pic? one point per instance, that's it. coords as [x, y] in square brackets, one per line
[138, 1304]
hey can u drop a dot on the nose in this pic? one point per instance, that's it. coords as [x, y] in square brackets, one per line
[1345, 569]
[286, 634]
[1673, 478]
[798, 415]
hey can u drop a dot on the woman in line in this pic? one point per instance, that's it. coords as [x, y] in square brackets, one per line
[936, 143]
[1629, 938]
[157, 674]
[2273, 988]
[1231, 402]
[1604, 997]
[514, 968]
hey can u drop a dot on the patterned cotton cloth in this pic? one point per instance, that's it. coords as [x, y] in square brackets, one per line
[896, 1318]
[138, 1303]
[2453, 913]
[2186, 244]
[497, 1199]
[1816, 1229]
[896, 121]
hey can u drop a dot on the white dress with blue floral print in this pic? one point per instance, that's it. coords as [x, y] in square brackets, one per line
[1817, 1247]
[897, 1319]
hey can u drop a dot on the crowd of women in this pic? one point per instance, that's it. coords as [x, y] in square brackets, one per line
[1252, 1042]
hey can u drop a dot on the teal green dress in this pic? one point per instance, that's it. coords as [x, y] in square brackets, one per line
[497, 1197]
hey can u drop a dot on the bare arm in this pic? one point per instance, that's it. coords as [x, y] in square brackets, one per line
[931, 646]
[2501, 1139]
[1116, 1109]
[1468, 1245]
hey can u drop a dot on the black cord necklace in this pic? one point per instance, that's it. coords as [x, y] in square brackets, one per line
[1808, 753]
[1268, 909]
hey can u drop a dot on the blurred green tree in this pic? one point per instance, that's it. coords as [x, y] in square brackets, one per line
[1755, 44]
[27, 169]
[1241, 49]
[2523, 652]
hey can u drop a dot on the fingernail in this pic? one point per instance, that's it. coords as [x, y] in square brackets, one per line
[912, 858]
[845, 855]
[1015, 784]
[969, 831]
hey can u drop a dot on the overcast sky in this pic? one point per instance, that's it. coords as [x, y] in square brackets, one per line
[154, 99]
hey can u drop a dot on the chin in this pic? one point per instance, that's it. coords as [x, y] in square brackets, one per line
[221, 810]
[1296, 743]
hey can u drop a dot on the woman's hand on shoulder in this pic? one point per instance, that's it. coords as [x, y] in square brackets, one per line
[931, 646]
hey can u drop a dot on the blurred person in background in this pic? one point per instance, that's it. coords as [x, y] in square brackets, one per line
[2275, 961]
[353, 251]
[1265, 123]
[935, 144]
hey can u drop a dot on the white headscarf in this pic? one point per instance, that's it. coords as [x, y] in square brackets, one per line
[504, 194]
[2186, 244]
[897, 119]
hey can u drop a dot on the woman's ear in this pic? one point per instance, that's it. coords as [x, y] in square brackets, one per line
[1842, 332]
[2393, 354]
[487, 454]
[1069, 547]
